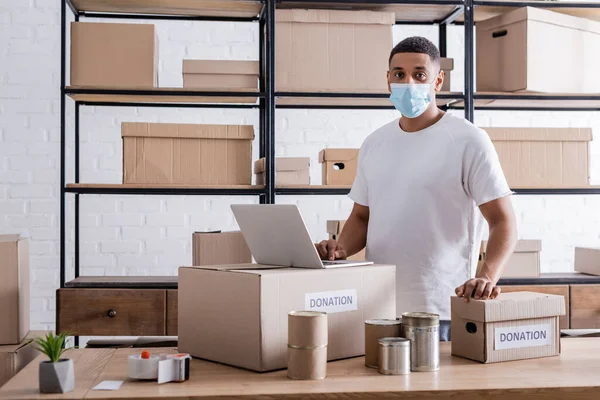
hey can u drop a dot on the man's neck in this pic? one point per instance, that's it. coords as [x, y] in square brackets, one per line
[423, 121]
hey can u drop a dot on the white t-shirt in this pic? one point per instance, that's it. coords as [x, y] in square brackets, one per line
[423, 190]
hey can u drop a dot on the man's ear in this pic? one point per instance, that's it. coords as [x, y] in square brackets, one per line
[439, 81]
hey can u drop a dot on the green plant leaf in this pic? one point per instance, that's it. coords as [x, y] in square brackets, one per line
[52, 345]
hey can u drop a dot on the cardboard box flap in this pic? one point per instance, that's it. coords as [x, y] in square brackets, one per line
[523, 246]
[9, 238]
[221, 67]
[510, 306]
[244, 268]
[540, 15]
[540, 134]
[336, 17]
[446, 64]
[337, 155]
[187, 131]
[284, 164]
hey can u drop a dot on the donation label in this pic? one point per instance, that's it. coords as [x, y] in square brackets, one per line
[332, 302]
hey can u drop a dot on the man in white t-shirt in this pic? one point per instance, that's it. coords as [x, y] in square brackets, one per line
[423, 183]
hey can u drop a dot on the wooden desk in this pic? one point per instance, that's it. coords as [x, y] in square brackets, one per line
[572, 375]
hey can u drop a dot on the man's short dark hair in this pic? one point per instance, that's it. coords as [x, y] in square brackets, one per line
[417, 44]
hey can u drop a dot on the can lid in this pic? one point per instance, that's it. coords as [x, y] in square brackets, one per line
[307, 313]
[420, 319]
[393, 342]
[383, 322]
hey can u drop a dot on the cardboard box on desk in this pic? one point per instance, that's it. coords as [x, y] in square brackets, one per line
[218, 248]
[288, 171]
[524, 262]
[339, 166]
[513, 326]
[14, 288]
[13, 358]
[237, 314]
[334, 228]
[114, 55]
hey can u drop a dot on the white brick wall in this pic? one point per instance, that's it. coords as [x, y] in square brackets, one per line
[152, 235]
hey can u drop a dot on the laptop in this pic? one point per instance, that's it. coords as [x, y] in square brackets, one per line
[277, 235]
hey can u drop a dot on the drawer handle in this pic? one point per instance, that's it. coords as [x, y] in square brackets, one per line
[112, 313]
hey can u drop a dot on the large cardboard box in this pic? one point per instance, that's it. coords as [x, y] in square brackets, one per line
[220, 74]
[189, 154]
[339, 166]
[14, 288]
[446, 65]
[15, 357]
[513, 326]
[334, 228]
[332, 50]
[543, 157]
[114, 55]
[524, 262]
[587, 260]
[288, 171]
[217, 248]
[513, 52]
[237, 314]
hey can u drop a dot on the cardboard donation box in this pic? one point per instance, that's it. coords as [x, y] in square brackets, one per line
[15, 357]
[288, 171]
[220, 75]
[339, 166]
[114, 55]
[513, 52]
[334, 228]
[587, 260]
[543, 157]
[332, 50]
[14, 288]
[446, 65]
[217, 248]
[525, 260]
[188, 154]
[513, 326]
[238, 314]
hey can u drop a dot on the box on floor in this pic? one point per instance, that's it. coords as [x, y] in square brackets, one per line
[187, 154]
[513, 52]
[218, 248]
[339, 166]
[114, 55]
[524, 262]
[543, 157]
[14, 288]
[334, 228]
[13, 358]
[249, 330]
[514, 326]
[288, 171]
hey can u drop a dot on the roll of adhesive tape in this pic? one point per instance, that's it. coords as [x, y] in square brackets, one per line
[143, 368]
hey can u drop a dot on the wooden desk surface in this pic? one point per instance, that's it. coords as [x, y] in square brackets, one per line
[572, 375]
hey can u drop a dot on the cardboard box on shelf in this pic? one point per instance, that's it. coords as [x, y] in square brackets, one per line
[14, 288]
[446, 65]
[15, 357]
[543, 157]
[513, 55]
[334, 228]
[332, 50]
[114, 55]
[218, 248]
[587, 260]
[513, 326]
[525, 260]
[249, 330]
[190, 154]
[288, 171]
[220, 74]
[339, 166]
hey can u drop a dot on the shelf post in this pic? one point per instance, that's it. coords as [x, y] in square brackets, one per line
[62, 217]
[270, 103]
[442, 40]
[469, 60]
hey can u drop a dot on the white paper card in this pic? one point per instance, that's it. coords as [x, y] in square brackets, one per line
[332, 302]
[515, 337]
[108, 385]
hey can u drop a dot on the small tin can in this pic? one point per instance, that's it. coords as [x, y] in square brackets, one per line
[376, 329]
[394, 356]
[423, 331]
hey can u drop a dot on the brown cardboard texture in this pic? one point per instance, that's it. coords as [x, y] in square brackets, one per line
[238, 314]
[587, 260]
[514, 326]
[114, 55]
[334, 229]
[332, 50]
[187, 153]
[288, 171]
[215, 75]
[513, 52]
[339, 166]
[543, 157]
[14, 288]
[219, 248]
[13, 358]
[446, 65]
[525, 260]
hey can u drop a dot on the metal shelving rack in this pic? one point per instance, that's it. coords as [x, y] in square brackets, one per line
[454, 12]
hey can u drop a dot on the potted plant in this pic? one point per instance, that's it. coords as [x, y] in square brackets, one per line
[57, 374]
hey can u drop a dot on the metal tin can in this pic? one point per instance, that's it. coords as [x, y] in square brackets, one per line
[376, 329]
[423, 331]
[394, 356]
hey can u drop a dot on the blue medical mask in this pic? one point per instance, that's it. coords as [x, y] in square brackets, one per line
[411, 99]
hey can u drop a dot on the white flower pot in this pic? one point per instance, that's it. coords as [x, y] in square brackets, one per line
[58, 377]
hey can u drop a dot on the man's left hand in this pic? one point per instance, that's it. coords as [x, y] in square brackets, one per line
[478, 288]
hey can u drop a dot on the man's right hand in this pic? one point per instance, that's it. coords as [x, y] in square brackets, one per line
[331, 250]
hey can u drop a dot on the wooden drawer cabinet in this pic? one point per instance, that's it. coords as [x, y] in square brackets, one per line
[585, 306]
[171, 312]
[561, 290]
[112, 312]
